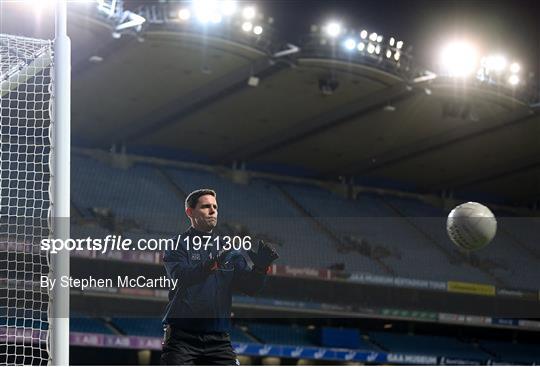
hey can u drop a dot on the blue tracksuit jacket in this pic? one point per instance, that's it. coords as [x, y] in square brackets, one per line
[202, 300]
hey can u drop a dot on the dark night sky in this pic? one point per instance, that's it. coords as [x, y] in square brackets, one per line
[510, 27]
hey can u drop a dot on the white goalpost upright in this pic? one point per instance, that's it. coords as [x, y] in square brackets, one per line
[60, 184]
[35, 77]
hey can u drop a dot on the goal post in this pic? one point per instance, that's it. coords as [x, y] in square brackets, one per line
[60, 186]
[34, 195]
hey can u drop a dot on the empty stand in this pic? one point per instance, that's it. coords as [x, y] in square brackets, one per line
[89, 325]
[311, 226]
[428, 345]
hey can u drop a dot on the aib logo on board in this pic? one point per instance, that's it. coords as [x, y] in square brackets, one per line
[241, 348]
[372, 357]
[319, 354]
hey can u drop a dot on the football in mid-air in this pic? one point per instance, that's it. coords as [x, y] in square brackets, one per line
[471, 226]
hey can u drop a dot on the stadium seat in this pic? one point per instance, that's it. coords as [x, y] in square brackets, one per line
[281, 334]
[441, 346]
[513, 352]
[139, 326]
[88, 325]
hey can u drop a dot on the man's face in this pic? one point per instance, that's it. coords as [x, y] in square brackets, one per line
[204, 215]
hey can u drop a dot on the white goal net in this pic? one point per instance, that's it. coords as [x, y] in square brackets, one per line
[25, 147]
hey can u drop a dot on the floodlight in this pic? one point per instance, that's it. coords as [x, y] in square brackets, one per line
[216, 18]
[392, 41]
[184, 14]
[248, 12]
[361, 46]
[371, 48]
[513, 80]
[379, 38]
[399, 45]
[363, 34]
[39, 3]
[515, 68]
[458, 59]
[253, 81]
[257, 30]
[333, 29]
[388, 54]
[373, 37]
[350, 44]
[495, 63]
[397, 55]
[38, 6]
[228, 7]
[378, 49]
[247, 27]
[206, 10]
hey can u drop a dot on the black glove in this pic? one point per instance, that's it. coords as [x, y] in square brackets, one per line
[222, 259]
[217, 261]
[263, 258]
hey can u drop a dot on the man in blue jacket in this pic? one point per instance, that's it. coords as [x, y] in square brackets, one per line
[197, 318]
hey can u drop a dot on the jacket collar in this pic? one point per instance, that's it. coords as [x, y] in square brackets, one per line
[195, 232]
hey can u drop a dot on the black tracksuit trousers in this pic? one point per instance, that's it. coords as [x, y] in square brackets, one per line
[186, 348]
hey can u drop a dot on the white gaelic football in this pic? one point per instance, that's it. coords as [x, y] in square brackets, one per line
[471, 226]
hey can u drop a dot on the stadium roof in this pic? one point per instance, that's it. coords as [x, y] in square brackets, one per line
[188, 92]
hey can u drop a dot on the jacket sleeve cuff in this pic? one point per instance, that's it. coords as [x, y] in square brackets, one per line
[262, 270]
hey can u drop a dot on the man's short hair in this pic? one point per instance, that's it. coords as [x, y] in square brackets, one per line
[193, 198]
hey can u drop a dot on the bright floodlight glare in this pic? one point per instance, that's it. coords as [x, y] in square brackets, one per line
[388, 54]
[513, 80]
[206, 10]
[39, 5]
[371, 48]
[458, 59]
[228, 7]
[184, 14]
[333, 29]
[392, 41]
[363, 34]
[373, 37]
[378, 49]
[247, 26]
[257, 30]
[496, 63]
[350, 44]
[399, 45]
[361, 46]
[397, 55]
[379, 38]
[515, 68]
[248, 12]
[216, 18]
